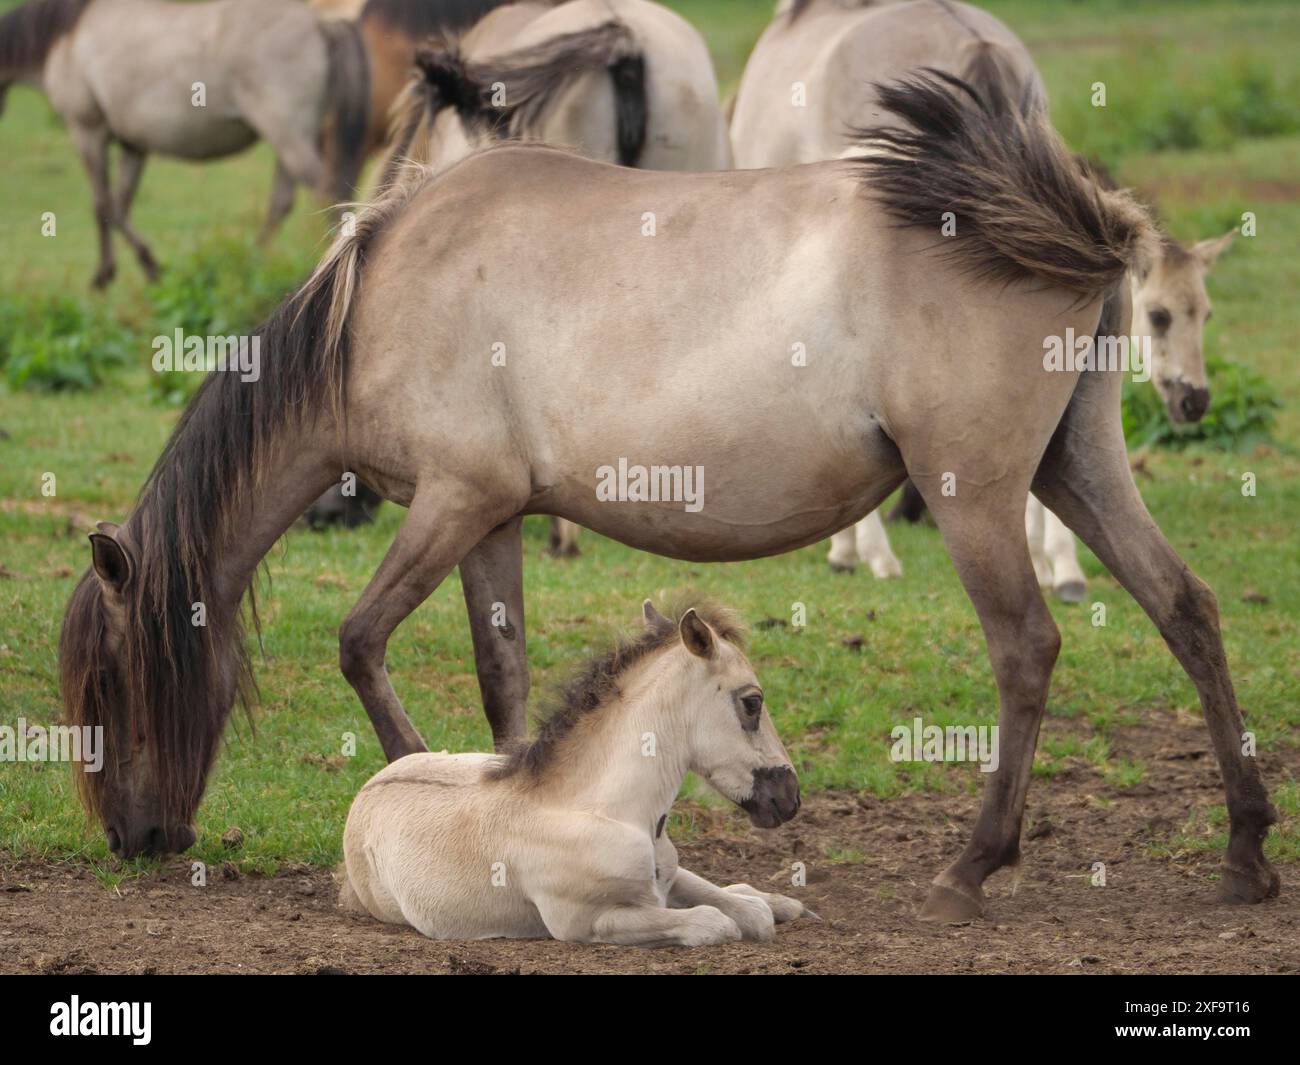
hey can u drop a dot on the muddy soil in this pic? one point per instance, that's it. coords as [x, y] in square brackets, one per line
[868, 862]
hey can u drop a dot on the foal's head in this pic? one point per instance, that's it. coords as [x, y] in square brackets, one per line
[733, 743]
[1171, 306]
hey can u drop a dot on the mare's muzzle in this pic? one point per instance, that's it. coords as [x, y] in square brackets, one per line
[775, 798]
[127, 840]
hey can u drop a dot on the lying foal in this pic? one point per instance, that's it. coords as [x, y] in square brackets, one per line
[565, 836]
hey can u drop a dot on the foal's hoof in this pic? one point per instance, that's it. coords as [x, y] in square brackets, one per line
[842, 567]
[1248, 886]
[1071, 591]
[946, 905]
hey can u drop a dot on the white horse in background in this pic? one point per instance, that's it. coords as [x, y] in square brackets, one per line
[808, 86]
[565, 837]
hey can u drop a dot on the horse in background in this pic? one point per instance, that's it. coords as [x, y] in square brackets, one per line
[195, 81]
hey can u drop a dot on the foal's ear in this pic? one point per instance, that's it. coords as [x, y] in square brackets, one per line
[1206, 251]
[654, 621]
[111, 562]
[696, 635]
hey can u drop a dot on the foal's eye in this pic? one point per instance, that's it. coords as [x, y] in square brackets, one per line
[753, 705]
[1160, 319]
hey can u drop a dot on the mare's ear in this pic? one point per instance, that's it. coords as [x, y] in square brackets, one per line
[1206, 251]
[654, 621]
[111, 562]
[696, 635]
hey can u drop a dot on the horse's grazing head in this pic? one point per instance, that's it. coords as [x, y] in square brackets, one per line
[1171, 306]
[159, 693]
[734, 743]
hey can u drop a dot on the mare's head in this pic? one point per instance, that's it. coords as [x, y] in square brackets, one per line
[140, 659]
[733, 743]
[1171, 306]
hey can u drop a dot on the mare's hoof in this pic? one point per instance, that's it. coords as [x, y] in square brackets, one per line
[946, 905]
[1071, 591]
[1248, 886]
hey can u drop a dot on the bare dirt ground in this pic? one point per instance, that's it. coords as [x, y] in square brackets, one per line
[1155, 914]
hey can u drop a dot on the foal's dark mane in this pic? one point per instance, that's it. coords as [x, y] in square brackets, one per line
[177, 678]
[27, 33]
[596, 683]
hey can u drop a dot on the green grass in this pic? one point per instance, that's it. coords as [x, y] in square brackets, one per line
[921, 652]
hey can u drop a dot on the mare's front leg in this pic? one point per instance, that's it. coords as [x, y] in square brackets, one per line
[983, 528]
[492, 578]
[443, 523]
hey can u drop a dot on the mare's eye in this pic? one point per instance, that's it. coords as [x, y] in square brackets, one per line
[753, 705]
[1160, 319]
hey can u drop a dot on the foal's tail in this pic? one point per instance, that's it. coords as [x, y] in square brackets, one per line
[349, 104]
[507, 96]
[1024, 210]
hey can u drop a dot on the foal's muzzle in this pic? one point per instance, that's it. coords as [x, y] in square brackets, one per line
[775, 798]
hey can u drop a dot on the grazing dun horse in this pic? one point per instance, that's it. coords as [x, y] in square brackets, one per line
[623, 81]
[195, 81]
[627, 345]
[565, 837]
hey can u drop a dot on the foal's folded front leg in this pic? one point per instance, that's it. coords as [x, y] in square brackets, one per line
[652, 926]
[756, 912]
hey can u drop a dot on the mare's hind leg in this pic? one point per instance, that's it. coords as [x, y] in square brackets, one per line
[1085, 479]
[983, 528]
[443, 523]
[492, 577]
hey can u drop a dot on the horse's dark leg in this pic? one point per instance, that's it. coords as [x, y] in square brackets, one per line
[1085, 479]
[440, 527]
[92, 145]
[910, 506]
[282, 193]
[130, 167]
[563, 542]
[984, 529]
[492, 576]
